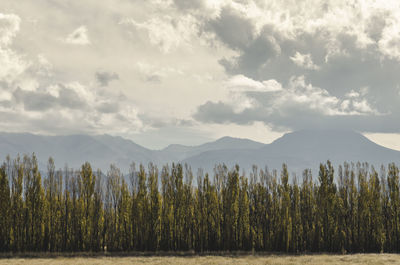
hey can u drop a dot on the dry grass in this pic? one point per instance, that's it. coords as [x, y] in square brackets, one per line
[375, 259]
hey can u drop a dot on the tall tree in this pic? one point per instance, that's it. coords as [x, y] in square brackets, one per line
[5, 210]
[154, 208]
[88, 181]
[286, 219]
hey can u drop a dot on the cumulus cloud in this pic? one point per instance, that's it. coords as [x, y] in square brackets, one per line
[349, 63]
[78, 37]
[281, 107]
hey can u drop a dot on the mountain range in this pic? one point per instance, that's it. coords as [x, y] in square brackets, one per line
[299, 150]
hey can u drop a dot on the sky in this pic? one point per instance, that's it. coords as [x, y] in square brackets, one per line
[177, 71]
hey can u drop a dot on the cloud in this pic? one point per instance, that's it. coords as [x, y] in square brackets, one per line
[78, 37]
[351, 62]
[166, 32]
[104, 78]
[43, 66]
[193, 4]
[241, 83]
[282, 107]
[233, 28]
[34, 101]
[31, 99]
[281, 64]
[12, 64]
[9, 26]
[304, 60]
[93, 111]
[271, 35]
[153, 73]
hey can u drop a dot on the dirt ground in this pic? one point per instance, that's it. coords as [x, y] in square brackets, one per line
[375, 259]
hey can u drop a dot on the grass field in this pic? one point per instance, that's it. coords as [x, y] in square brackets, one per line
[273, 259]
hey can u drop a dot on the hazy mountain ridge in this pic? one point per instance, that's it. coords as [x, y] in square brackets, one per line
[176, 152]
[300, 150]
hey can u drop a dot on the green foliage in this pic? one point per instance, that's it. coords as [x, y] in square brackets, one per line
[88, 211]
[5, 210]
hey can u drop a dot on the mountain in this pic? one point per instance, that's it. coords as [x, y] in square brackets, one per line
[300, 150]
[74, 150]
[304, 149]
[102, 150]
[176, 152]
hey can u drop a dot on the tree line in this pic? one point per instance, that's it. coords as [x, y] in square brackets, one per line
[355, 209]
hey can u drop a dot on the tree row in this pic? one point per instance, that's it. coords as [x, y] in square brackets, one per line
[353, 209]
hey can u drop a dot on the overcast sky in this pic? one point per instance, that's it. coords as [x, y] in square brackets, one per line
[164, 71]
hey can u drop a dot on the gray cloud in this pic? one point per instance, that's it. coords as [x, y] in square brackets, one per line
[104, 78]
[193, 4]
[34, 101]
[78, 37]
[69, 98]
[219, 112]
[254, 56]
[232, 28]
[300, 105]
[337, 58]
[42, 100]
[294, 118]
[108, 107]
[153, 78]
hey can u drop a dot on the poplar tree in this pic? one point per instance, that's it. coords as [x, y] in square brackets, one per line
[77, 211]
[285, 216]
[5, 210]
[154, 209]
[87, 189]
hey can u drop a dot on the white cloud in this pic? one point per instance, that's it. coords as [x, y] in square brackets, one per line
[78, 36]
[166, 32]
[238, 86]
[9, 26]
[44, 67]
[321, 101]
[5, 95]
[390, 41]
[297, 99]
[371, 23]
[12, 64]
[304, 60]
[242, 83]
[352, 94]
